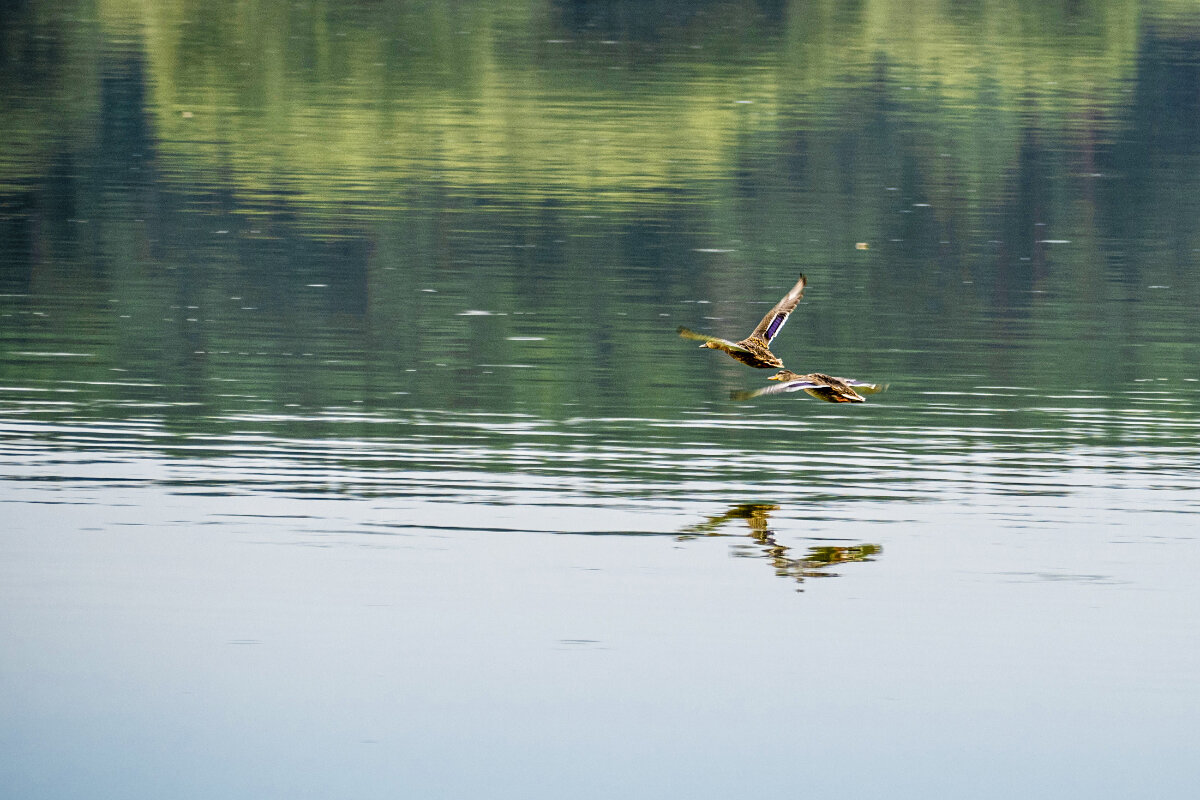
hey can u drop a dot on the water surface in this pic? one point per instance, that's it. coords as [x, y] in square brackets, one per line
[347, 447]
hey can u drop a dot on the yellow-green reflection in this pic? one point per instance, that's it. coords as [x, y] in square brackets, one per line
[334, 104]
[511, 206]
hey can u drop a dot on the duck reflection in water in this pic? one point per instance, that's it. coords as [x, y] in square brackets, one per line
[817, 384]
[813, 564]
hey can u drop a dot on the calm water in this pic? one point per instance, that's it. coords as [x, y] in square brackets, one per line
[347, 448]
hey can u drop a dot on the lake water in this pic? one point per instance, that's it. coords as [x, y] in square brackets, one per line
[348, 449]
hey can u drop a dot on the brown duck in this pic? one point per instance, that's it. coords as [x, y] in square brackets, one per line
[755, 349]
[821, 386]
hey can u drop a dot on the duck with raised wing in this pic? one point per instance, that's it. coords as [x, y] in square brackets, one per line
[821, 386]
[755, 349]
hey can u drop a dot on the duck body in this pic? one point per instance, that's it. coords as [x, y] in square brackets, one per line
[752, 351]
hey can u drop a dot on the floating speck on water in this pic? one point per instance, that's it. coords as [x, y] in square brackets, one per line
[526, 338]
[317, 285]
[1054, 241]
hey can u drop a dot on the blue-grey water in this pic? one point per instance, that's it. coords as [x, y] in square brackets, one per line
[348, 449]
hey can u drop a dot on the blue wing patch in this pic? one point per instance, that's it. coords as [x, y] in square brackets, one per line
[775, 326]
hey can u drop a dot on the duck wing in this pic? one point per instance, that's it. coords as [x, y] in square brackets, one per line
[773, 322]
[688, 333]
[862, 387]
[778, 388]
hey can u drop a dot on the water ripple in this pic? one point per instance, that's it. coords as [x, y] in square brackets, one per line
[912, 453]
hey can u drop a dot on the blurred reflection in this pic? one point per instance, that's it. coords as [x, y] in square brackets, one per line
[325, 208]
[813, 564]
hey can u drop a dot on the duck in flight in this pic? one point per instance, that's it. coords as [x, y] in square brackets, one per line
[755, 349]
[821, 386]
